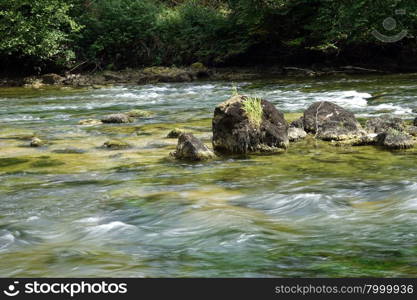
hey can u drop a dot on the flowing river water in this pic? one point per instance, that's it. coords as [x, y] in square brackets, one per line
[74, 209]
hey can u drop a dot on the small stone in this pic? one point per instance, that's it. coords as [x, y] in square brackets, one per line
[295, 134]
[117, 119]
[191, 148]
[90, 122]
[116, 145]
[37, 142]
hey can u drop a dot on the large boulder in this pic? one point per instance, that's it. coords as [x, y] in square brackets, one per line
[243, 124]
[117, 118]
[329, 121]
[191, 148]
[380, 125]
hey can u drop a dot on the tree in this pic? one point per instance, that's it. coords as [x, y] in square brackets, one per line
[36, 29]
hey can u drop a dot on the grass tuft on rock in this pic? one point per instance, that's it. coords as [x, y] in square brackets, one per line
[253, 109]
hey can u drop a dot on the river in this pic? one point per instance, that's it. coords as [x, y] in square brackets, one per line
[74, 209]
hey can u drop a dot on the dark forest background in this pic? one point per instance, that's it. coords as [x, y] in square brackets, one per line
[92, 35]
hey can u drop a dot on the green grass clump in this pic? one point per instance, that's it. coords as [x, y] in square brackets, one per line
[253, 109]
[235, 92]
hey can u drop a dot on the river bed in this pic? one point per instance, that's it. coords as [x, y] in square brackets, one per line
[314, 211]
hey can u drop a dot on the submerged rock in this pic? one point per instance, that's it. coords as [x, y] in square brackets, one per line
[394, 139]
[69, 150]
[242, 125]
[117, 119]
[37, 142]
[330, 122]
[175, 133]
[137, 113]
[116, 145]
[191, 148]
[415, 122]
[46, 162]
[295, 134]
[90, 122]
[380, 125]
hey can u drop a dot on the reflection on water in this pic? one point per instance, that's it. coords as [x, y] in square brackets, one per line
[316, 210]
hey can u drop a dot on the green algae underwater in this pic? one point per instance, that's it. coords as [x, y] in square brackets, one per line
[75, 209]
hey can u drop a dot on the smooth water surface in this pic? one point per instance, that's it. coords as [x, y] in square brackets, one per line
[75, 209]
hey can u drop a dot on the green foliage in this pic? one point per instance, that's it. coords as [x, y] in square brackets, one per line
[118, 32]
[235, 91]
[115, 34]
[253, 109]
[143, 32]
[38, 29]
[193, 32]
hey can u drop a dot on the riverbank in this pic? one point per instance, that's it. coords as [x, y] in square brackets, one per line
[195, 72]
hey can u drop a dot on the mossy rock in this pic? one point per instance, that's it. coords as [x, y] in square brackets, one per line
[46, 162]
[37, 142]
[395, 139]
[243, 125]
[116, 145]
[137, 113]
[116, 119]
[198, 66]
[69, 150]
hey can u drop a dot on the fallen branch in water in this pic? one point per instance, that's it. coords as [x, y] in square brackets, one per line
[352, 68]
